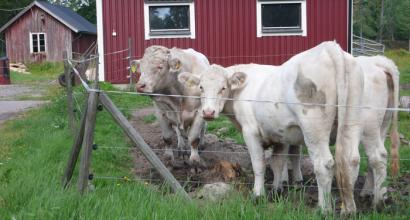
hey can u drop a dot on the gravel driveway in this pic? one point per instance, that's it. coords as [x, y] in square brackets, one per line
[10, 104]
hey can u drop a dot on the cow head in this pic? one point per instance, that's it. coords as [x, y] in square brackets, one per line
[157, 68]
[215, 86]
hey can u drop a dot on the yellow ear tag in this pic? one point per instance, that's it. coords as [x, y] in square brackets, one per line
[178, 65]
[190, 83]
[133, 69]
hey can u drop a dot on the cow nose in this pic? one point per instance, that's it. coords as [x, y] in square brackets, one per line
[208, 114]
[140, 87]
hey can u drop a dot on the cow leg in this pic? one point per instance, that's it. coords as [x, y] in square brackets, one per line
[350, 153]
[203, 132]
[180, 142]
[367, 189]
[285, 172]
[258, 160]
[295, 154]
[377, 158]
[278, 166]
[323, 164]
[167, 133]
[194, 139]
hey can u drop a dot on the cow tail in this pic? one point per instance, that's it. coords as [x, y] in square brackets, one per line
[392, 74]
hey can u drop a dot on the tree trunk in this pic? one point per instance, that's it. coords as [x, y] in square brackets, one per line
[381, 22]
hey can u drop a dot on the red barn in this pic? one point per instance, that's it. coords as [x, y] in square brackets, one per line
[227, 31]
[42, 31]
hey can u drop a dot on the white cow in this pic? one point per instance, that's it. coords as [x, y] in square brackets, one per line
[381, 86]
[160, 68]
[269, 113]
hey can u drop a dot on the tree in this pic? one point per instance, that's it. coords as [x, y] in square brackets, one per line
[403, 20]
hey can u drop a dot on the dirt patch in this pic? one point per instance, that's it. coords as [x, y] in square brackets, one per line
[213, 152]
[13, 92]
[227, 161]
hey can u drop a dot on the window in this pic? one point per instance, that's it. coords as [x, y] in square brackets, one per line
[169, 19]
[281, 18]
[37, 42]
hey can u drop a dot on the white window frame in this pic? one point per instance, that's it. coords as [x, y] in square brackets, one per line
[38, 42]
[259, 32]
[191, 20]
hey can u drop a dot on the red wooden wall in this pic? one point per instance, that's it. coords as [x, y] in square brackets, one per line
[18, 37]
[225, 33]
[81, 42]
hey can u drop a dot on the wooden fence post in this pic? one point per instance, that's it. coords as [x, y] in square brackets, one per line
[140, 143]
[90, 120]
[88, 141]
[75, 150]
[129, 64]
[69, 88]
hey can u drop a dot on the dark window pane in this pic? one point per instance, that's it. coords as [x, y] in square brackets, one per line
[169, 17]
[34, 37]
[35, 49]
[41, 36]
[281, 15]
[42, 48]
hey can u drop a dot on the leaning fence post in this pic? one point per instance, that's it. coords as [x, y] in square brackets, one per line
[75, 150]
[90, 121]
[88, 141]
[140, 143]
[69, 88]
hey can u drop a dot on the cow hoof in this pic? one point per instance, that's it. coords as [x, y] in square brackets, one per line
[366, 193]
[345, 213]
[274, 195]
[197, 165]
[258, 199]
[298, 184]
[182, 154]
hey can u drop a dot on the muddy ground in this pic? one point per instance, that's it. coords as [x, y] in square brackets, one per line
[229, 162]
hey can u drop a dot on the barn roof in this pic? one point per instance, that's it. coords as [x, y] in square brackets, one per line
[65, 15]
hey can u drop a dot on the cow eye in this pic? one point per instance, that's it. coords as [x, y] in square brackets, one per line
[223, 89]
[201, 88]
[160, 67]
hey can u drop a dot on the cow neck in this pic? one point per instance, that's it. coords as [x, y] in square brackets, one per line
[228, 107]
[175, 88]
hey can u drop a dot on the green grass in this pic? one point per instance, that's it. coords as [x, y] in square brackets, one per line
[228, 131]
[149, 119]
[39, 72]
[402, 59]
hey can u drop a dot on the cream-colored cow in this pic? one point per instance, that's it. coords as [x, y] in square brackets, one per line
[160, 68]
[269, 111]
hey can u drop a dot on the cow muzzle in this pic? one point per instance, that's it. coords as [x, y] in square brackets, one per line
[208, 114]
[141, 87]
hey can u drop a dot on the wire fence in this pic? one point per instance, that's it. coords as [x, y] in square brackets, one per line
[229, 154]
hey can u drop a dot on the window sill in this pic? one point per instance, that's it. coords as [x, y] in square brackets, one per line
[170, 34]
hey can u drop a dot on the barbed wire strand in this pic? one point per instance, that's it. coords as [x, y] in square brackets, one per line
[222, 152]
[254, 100]
[206, 182]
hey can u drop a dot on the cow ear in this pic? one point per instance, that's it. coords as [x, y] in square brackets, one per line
[237, 80]
[188, 79]
[175, 64]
